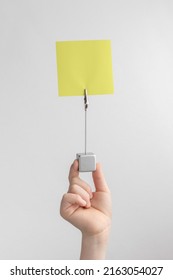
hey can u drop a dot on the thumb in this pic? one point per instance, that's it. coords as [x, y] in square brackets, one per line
[74, 170]
[99, 179]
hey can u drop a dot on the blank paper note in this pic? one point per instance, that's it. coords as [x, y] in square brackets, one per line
[84, 65]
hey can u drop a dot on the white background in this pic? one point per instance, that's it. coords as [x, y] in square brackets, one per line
[131, 132]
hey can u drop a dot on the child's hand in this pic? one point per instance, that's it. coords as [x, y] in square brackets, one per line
[88, 211]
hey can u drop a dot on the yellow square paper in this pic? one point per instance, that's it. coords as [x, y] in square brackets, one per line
[84, 65]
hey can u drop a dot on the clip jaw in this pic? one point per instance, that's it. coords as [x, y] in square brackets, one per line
[87, 161]
[86, 101]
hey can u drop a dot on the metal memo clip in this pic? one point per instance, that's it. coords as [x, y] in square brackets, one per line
[87, 161]
[86, 101]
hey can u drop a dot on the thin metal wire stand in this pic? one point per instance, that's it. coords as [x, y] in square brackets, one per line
[86, 103]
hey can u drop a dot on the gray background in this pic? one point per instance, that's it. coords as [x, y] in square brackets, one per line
[131, 132]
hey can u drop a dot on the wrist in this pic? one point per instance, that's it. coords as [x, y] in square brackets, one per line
[94, 246]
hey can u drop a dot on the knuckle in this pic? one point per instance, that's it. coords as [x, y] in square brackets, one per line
[74, 180]
[64, 196]
[88, 189]
[73, 188]
[77, 198]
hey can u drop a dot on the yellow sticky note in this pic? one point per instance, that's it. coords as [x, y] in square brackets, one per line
[84, 65]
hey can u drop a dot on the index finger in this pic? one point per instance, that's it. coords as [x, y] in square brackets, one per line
[74, 170]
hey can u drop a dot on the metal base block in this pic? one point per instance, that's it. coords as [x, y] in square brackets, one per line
[87, 162]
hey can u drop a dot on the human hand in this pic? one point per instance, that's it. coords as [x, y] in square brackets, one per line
[88, 211]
